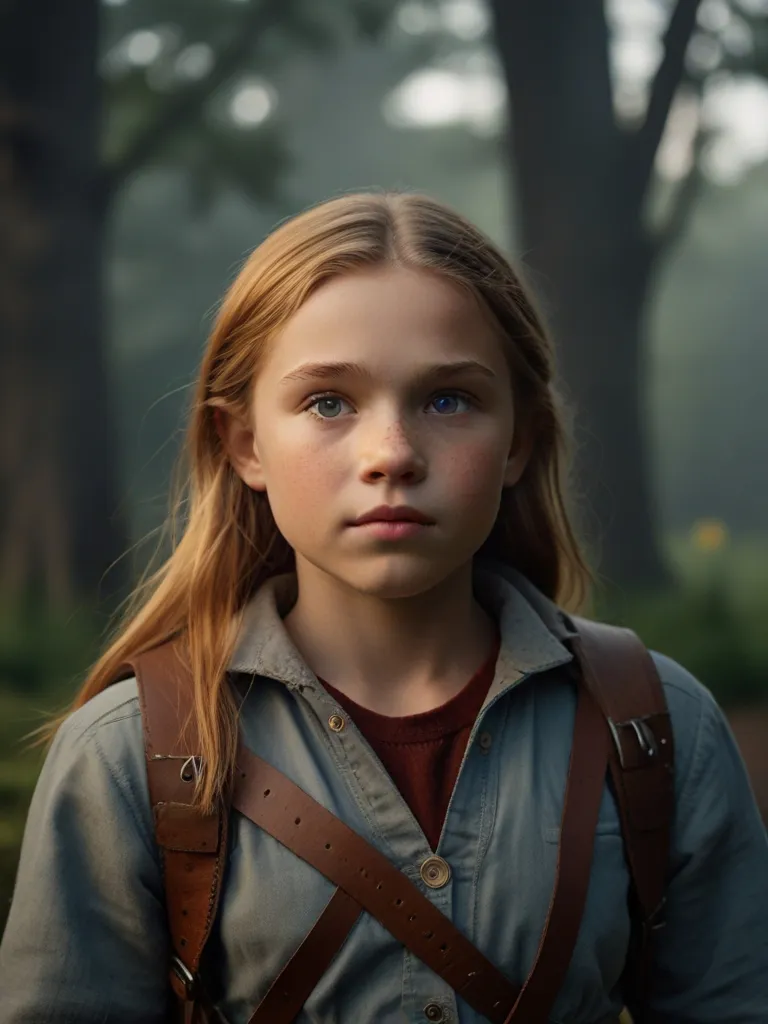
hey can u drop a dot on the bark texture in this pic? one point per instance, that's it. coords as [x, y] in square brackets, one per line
[59, 527]
[581, 186]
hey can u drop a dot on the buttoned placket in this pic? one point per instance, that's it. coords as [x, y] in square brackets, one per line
[392, 827]
[397, 834]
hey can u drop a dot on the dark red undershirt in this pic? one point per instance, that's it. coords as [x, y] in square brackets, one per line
[423, 753]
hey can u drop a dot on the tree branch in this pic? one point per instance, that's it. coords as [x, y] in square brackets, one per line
[682, 204]
[643, 144]
[185, 105]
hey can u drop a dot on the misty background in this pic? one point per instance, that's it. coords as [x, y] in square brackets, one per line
[618, 153]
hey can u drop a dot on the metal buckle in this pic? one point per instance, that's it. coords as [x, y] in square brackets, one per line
[185, 976]
[645, 736]
[191, 769]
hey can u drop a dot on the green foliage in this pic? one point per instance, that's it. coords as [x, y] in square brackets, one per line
[41, 651]
[43, 659]
[217, 156]
[171, 109]
[19, 769]
[713, 623]
[701, 630]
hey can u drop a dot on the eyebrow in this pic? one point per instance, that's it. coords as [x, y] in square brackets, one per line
[324, 371]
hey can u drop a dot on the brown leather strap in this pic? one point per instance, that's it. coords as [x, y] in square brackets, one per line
[276, 804]
[621, 673]
[583, 795]
[293, 986]
[193, 847]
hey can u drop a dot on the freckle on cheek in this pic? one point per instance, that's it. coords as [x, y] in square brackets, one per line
[469, 472]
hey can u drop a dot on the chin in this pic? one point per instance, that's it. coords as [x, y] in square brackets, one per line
[393, 577]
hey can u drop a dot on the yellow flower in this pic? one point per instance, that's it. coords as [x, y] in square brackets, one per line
[709, 534]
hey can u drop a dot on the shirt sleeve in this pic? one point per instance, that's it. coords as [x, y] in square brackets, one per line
[711, 958]
[86, 939]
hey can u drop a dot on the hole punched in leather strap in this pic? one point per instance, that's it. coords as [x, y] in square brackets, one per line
[277, 805]
[291, 816]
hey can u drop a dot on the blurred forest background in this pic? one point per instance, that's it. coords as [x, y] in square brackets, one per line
[618, 152]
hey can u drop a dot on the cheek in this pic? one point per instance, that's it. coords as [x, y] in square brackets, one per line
[473, 470]
[305, 475]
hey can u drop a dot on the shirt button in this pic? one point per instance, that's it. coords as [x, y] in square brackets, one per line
[435, 872]
[485, 740]
[336, 722]
[434, 1012]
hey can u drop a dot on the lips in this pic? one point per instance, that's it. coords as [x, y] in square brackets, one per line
[393, 513]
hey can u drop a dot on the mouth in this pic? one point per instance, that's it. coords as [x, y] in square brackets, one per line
[394, 514]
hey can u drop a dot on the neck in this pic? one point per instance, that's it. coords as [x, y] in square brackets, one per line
[396, 656]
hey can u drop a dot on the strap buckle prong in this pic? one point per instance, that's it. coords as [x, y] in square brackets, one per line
[646, 738]
[185, 976]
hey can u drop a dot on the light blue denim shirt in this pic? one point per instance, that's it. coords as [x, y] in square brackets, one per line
[87, 941]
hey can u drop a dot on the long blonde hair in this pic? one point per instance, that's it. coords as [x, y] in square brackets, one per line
[230, 542]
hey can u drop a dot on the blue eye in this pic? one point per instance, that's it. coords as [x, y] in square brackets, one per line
[323, 401]
[450, 396]
[320, 405]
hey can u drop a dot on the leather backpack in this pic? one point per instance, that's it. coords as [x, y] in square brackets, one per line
[622, 730]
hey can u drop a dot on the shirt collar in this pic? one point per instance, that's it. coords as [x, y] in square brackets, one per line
[532, 630]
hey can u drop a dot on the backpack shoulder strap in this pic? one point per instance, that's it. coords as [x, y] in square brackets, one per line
[619, 671]
[193, 846]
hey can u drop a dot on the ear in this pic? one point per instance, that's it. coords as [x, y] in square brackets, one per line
[519, 455]
[239, 442]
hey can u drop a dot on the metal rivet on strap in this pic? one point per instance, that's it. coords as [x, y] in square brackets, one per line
[434, 1012]
[435, 872]
[336, 722]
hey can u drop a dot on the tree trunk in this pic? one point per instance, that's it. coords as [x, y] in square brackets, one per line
[591, 262]
[601, 355]
[59, 528]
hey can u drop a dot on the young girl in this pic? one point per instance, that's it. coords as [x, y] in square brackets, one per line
[372, 588]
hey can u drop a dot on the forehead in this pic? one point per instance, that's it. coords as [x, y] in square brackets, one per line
[387, 316]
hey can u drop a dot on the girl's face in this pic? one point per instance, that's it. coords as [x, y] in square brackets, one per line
[360, 403]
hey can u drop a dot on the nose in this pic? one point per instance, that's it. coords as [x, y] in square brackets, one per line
[389, 452]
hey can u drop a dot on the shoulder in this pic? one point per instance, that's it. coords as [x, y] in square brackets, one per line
[109, 723]
[101, 744]
[680, 685]
[687, 699]
[703, 741]
[116, 703]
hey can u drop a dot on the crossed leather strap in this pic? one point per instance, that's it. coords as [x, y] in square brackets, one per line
[634, 741]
